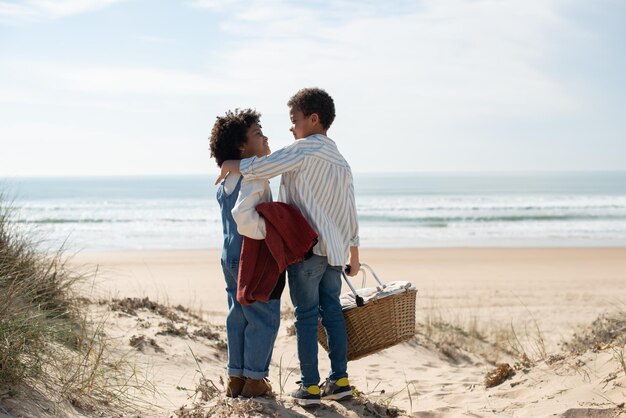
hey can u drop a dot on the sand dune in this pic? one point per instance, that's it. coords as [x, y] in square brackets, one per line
[476, 307]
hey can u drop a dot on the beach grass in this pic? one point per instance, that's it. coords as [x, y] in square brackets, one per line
[37, 304]
[453, 333]
[49, 347]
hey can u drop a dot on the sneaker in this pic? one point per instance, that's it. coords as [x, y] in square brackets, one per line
[307, 395]
[254, 388]
[337, 390]
[234, 386]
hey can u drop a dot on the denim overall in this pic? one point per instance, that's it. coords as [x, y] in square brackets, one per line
[250, 330]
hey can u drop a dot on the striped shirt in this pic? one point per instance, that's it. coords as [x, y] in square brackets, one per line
[317, 180]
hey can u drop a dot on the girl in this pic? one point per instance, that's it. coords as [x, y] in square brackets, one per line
[251, 330]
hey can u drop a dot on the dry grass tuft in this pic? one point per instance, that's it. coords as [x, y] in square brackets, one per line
[188, 311]
[521, 343]
[605, 332]
[207, 389]
[206, 332]
[168, 328]
[498, 375]
[208, 400]
[618, 354]
[554, 359]
[140, 342]
[380, 408]
[222, 407]
[131, 305]
[455, 340]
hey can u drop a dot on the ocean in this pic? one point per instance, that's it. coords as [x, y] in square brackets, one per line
[395, 210]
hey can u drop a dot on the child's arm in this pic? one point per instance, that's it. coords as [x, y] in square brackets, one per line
[249, 223]
[353, 222]
[275, 164]
[229, 166]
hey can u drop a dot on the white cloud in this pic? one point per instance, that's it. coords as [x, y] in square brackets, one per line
[122, 81]
[12, 10]
[50, 9]
[456, 59]
[114, 81]
[452, 58]
[429, 78]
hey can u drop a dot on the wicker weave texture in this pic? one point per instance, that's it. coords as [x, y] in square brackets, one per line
[379, 324]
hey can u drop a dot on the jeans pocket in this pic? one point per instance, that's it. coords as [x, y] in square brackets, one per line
[313, 267]
[314, 271]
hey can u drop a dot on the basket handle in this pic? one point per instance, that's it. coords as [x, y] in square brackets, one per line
[373, 274]
[359, 299]
[363, 268]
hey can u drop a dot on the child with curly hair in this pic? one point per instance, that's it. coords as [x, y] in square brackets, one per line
[250, 329]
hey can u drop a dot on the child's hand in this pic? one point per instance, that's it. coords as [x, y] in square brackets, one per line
[353, 270]
[353, 264]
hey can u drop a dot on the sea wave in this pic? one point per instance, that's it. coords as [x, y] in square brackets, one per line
[483, 219]
[104, 221]
[122, 215]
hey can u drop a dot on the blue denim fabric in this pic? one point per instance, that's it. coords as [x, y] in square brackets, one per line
[314, 287]
[251, 330]
[231, 249]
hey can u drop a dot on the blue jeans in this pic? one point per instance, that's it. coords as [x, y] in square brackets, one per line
[314, 287]
[250, 330]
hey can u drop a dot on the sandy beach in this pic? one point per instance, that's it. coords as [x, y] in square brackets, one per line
[471, 304]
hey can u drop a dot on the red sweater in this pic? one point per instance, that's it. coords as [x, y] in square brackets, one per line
[289, 237]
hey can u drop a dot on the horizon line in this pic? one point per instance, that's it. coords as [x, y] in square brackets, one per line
[373, 173]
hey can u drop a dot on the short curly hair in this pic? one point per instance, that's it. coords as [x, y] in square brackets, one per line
[314, 100]
[229, 134]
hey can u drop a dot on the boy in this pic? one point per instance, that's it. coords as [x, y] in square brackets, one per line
[318, 181]
[250, 330]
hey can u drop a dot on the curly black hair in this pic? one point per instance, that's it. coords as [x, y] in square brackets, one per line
[314, 100]
[229, 134]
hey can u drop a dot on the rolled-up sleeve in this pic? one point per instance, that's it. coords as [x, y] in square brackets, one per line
[279, 162]
[249, 223]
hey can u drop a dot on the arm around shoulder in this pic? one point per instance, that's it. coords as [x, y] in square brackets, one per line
[282, 161]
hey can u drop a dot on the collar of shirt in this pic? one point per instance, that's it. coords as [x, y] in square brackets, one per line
[322, 138]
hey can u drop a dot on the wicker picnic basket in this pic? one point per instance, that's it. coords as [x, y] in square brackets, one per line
[377, 324]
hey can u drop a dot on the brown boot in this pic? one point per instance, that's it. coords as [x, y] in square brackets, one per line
[235, 385]
[254, 388]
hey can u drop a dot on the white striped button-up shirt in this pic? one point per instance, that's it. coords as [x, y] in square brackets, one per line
[317, 180]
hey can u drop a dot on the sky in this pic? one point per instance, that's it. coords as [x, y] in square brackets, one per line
[133, 87]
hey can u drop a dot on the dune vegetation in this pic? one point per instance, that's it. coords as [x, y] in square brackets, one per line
[50, 352]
